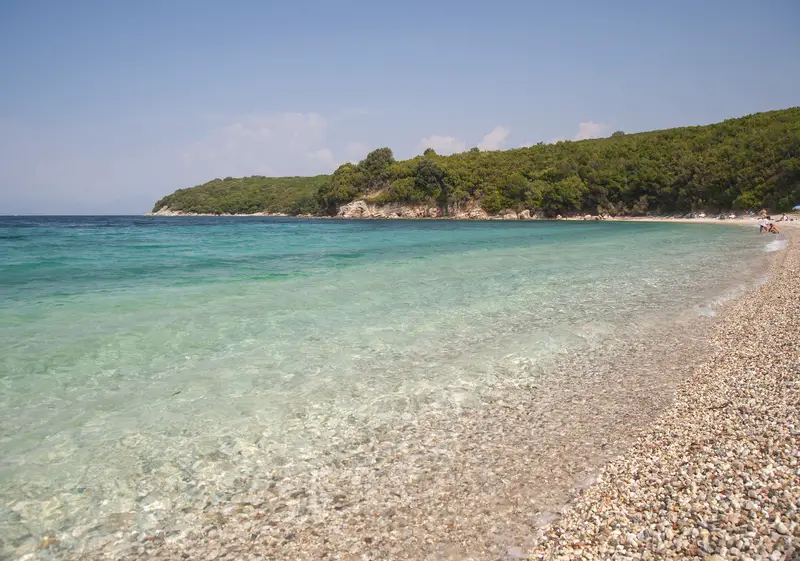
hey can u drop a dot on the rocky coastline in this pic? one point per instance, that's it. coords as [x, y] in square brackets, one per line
[166, 211]
[364, 209]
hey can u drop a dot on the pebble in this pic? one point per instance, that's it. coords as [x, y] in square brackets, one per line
[714, 476]
[724, 457]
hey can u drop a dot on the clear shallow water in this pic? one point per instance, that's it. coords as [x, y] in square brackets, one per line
[149, 363]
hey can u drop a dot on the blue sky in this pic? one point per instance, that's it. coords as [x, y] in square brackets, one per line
[105, 106]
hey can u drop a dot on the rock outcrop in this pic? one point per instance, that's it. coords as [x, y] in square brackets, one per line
[364, 209]
[476, 213]
[166, 211]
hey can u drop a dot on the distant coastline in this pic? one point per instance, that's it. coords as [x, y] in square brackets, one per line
[369, 212]
[673, 172]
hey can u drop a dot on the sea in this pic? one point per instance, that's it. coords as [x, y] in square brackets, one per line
[149, 363]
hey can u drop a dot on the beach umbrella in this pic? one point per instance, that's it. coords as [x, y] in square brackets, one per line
[796, 208]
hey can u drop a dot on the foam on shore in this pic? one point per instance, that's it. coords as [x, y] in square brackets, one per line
[777, 244]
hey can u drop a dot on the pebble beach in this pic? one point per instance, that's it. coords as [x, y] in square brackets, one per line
[717, 476]
[684, 447]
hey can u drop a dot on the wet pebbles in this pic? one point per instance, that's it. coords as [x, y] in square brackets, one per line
[708, 473]
[718, 475]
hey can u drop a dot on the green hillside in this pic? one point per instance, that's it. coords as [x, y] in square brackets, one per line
[247, 195]
[745, 163]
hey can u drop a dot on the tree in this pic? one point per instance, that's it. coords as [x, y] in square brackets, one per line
[492, 201]
[749, 162]
[376, 166]
[516, 191]
[307, 204]
[429, 152]
[429, 179]
[564, 196]
[346, 183]
[403, 190]
[618, 133]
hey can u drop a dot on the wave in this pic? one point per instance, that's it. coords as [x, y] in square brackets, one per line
[711, 308]
[777, 244]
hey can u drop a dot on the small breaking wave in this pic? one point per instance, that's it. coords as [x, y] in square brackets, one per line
[777, 244]
[711, 307]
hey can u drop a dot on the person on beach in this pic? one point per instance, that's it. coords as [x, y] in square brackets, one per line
[773, 228]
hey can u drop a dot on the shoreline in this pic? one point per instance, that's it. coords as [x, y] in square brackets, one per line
[477, 485]
[716, 476]
[738, 220]
[472, 486]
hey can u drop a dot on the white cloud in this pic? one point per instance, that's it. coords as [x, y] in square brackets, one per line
[356, 151]
[495, 140]
[324, 158]
[84, 167]
[590, 129]
[586, 130]
[442, 144]
[351, 113]
[271, 144]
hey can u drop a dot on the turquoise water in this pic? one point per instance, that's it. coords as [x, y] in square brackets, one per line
[177, 355]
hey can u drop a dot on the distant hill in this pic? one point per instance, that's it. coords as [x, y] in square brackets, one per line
[750, 162]
[247, 195]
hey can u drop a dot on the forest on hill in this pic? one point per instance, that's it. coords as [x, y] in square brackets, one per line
[246, 195]
[750, 162]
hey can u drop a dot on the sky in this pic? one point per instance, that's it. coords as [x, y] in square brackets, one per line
[106, 106]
